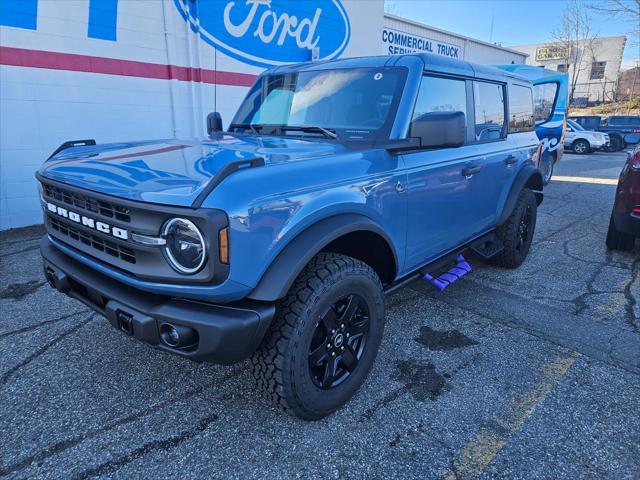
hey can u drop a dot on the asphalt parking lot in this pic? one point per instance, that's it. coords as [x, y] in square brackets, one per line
[531, 373]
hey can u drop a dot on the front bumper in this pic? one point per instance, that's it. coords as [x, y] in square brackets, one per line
[226, 333]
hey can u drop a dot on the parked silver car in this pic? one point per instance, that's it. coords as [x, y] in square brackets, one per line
[582, 141]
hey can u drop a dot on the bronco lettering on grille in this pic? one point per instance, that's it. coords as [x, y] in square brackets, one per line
[88, 222]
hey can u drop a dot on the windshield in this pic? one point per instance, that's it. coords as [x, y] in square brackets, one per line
[575, 125]
[352, 104]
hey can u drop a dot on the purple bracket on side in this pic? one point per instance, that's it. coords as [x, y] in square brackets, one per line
[454, 274]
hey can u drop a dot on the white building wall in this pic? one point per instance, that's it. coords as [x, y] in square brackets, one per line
[143, 84]
[470, 49]
[604, 49]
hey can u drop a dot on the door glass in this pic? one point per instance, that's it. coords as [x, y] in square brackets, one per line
[544, 97]
[441, 95]
[488, 99]
[520, 109]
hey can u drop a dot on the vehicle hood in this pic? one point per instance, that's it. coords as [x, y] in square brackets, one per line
[591, 134]
[173, 172]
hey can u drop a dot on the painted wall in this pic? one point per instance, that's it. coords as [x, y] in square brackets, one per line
[603, 49]
[118, 70]
[401, 35]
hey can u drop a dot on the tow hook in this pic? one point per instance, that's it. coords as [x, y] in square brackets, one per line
[125, 322]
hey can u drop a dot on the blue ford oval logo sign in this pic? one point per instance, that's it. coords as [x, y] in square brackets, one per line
[270, 32]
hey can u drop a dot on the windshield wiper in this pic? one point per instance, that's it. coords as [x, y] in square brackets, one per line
[309, 128]
[252, 126]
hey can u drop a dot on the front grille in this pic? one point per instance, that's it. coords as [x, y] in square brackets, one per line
[87, 203]
[93, 241]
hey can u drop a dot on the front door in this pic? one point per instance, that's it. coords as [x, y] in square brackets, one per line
[454, 193]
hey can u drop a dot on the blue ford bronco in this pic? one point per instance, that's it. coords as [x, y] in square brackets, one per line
[278, 239]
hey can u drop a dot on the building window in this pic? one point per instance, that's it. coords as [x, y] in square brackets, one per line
[562, 67]
[597, 70]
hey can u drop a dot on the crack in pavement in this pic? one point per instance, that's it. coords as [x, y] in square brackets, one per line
[7, 375]
[163, 445]
[28, 249]
[71, 442]
[41, 324]
[631, 300]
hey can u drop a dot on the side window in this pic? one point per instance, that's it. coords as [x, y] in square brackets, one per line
[544, 97]
[488, 99]
[440, 95]
[520, 109]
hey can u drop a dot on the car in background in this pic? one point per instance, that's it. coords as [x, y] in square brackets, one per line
[624, 225]
[550, 94]
[581, 141]
[623, 130]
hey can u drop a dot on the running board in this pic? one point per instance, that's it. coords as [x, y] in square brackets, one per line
[454, 274]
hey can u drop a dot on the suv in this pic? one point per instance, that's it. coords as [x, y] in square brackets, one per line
[335, 184]
[622, 129]
[582, 141]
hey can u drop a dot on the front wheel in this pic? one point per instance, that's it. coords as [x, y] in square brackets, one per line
[516, 233]
[324, 338]
[581, 147]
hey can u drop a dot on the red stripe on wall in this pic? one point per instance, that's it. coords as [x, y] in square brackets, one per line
[22, 57]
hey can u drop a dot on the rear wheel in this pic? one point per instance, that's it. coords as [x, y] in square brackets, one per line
[516, 233]
[547, 168]
[581, 147]
[615, 143]
[324, 338]
[617, 240]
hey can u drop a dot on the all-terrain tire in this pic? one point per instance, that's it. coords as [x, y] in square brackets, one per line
[517, 232]
[617, 240]
[281, 365]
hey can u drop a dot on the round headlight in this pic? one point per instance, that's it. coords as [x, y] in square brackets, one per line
[185, 247]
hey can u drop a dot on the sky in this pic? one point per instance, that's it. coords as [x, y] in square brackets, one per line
[515, 22]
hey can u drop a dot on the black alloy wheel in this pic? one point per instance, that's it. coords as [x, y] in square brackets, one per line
[339, 341]
[524, 228]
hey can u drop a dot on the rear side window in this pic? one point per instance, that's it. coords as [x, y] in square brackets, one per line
[488, 99]
[440, 95]
[520, 109]
[544, 98]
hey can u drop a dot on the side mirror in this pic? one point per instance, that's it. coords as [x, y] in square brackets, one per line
[439, 129]
[214, 123]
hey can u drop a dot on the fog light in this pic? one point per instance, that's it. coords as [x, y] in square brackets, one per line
[177, 336]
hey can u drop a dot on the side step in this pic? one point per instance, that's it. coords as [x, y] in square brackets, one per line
[454, 274]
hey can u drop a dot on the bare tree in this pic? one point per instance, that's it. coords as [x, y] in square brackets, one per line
[627, 11]
[576, 39]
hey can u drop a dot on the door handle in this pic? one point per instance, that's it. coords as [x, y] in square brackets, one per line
[511, 159]
[471, 169]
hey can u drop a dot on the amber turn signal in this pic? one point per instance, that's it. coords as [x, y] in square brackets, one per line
[223, 242]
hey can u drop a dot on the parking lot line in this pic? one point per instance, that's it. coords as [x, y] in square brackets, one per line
[476, 455]
[593, 180]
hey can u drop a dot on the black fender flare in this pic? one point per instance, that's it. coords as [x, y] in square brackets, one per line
[285, 268]
[529, 176]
